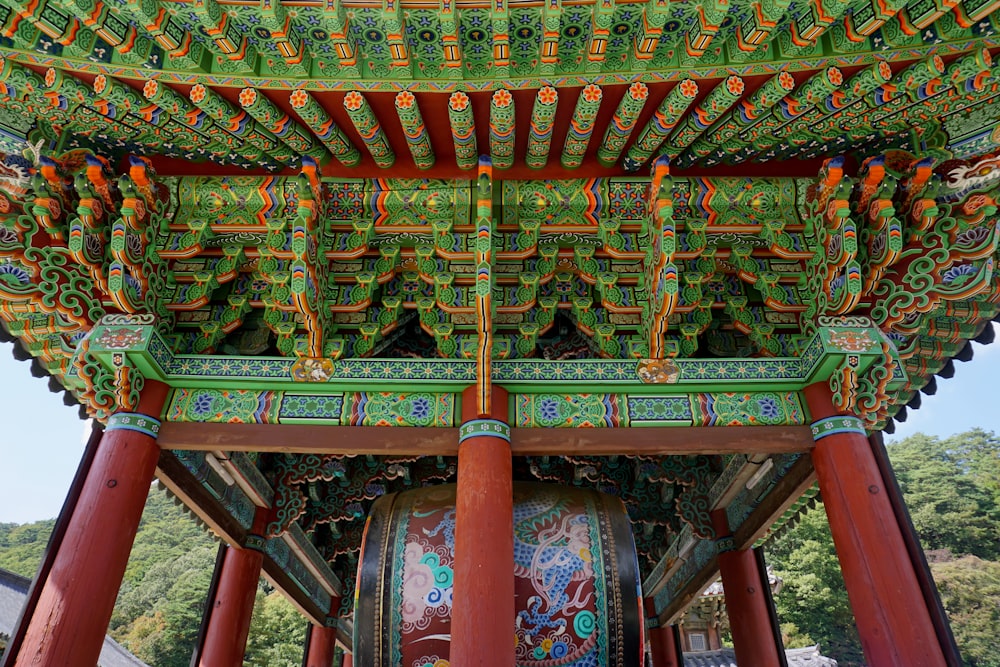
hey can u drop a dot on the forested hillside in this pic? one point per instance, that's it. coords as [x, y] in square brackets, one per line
[21, 545]
[161, 601]
[952, 488]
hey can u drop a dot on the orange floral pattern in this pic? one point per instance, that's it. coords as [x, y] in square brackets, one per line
[248, 96]
[405, 100]
[198, 93]
[638, 91]
[353, 101]
[458, 101]
[502, 98]
[592, 93]
[298, 99]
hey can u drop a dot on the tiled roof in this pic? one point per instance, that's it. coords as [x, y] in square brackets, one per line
[715, 588]
[11, 598]
[797, 657]
[14, 587]
[808, 657]
[721, 658]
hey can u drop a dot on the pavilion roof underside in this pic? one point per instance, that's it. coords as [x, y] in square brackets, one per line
[320, 504]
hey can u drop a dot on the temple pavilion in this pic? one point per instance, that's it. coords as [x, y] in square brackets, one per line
[492, 331]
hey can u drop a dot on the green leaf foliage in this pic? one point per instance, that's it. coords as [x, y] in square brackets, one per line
[970, 591]
[22, 546]
[812, 603]
[951, 489]
[277, 632]
[165, 607]
[162, 598]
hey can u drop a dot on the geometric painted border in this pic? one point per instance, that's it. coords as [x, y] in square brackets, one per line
[176, 369]
[838, 424]
[530, 410]
[131, 421]
[491, 428]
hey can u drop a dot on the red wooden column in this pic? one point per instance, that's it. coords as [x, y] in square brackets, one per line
[322, 645]
[348, 660]
[746, 600]
[663, 645]
[232, 606]
[322, 640]
[75, 605]
[891, 614]
[482, 616]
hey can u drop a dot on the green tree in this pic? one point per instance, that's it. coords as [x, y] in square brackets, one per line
[970, 591]
[277, 632]
[163, 594]
[172, 593]
[952, 490]
[166, 532]
[142, 635]
[159, 606]
[812, 604]
[949, 487]
[977, 453]
[22, 546]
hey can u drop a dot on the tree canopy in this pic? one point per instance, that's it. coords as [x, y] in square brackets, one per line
[970, 591]
[952, 488]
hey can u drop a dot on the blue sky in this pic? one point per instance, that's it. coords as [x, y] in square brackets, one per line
[41, 440]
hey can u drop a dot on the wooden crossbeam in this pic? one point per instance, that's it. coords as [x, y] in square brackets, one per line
[785, 493]
[416, 441]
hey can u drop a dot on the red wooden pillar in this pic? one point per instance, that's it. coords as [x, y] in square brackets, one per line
[482, 618]
[746, 600]
[322, 645]
[892, 617]
[348, 660]
[75, 605]
[663, 646]
[232, 606]
[322, 640]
